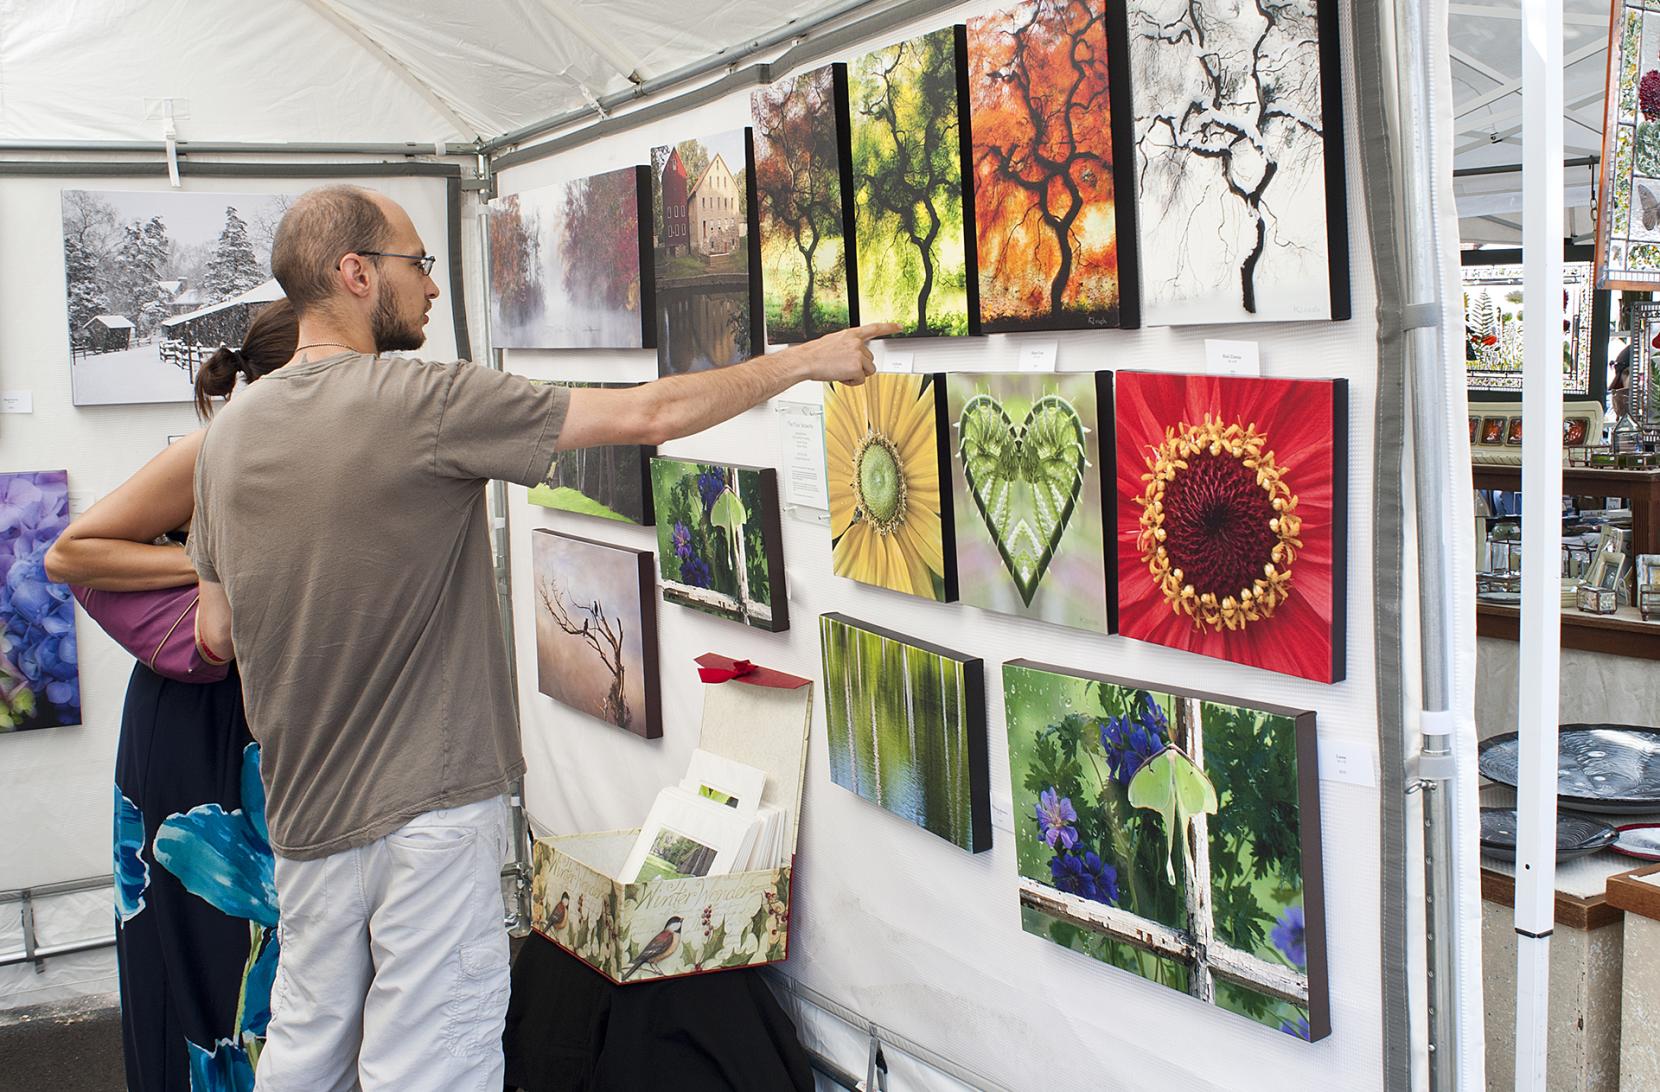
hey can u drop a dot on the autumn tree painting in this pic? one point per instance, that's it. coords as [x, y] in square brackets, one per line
[799, 188]
[515, 270]
[1045, 214]
[913, 231]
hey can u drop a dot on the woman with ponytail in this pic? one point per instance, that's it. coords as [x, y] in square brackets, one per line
[195, 899]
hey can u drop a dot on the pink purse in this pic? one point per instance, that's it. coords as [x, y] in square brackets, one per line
[158, 627]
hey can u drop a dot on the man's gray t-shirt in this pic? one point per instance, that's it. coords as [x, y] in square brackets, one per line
[342, 505]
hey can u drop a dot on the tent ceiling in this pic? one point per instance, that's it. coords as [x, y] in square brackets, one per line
[1486, 40]
[366, 70]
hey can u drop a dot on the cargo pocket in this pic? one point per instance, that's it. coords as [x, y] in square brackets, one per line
[476, 1011]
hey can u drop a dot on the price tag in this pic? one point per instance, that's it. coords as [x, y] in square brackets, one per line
[1002, 812]
[896, 360]
[1232, 357]
[1037, 356]
[17, 401]
[1348, 761]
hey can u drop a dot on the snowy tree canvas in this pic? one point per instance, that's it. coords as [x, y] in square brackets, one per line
[156, 281]
[1239, 161]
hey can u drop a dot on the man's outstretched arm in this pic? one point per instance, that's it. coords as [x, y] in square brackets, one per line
[679, 405]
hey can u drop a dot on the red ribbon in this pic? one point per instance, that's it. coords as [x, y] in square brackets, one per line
[738, 669]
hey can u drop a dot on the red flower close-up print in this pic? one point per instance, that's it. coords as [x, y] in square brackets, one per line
[1232, 514]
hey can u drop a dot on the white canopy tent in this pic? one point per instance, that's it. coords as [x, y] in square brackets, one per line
[440, 105]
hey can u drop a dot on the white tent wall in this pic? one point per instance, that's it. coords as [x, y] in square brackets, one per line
[56, 783]
[890, 921]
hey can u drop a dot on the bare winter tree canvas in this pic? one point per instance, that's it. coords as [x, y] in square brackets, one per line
[156, 281]
[1239, 161]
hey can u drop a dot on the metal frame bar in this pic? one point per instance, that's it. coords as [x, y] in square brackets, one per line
[32, 952]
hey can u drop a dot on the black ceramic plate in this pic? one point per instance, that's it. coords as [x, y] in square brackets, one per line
[1612, 769]
[1640, 840]
[1576, 835]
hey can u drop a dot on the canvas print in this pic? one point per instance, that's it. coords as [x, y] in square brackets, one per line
[156, 282]
[1628, 211]
[612, 481]
[720, 548]
[1174, 835]
[804, 193]
[913, 227]
[705, 254]
[907, 728]
[40, 682]
[1239, 162]
[1232, 518]
[570, 265]
[596, 630]
[891, 512]
[1027, 485]
[1048, 221]
[1493, 326]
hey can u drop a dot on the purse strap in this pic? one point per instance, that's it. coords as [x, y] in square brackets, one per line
[168, 636]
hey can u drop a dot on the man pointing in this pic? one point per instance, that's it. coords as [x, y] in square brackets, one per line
[342, 542]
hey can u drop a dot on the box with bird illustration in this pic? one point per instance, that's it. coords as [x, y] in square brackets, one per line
[670, 926]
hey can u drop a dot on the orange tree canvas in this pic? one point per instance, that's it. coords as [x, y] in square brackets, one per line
[804, 194]
[1048, 219]
[914, 232]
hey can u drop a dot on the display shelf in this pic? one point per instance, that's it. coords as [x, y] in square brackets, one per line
[1622, 633]
[1641, 487]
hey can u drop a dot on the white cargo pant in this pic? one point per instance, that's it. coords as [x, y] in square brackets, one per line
[394, 965]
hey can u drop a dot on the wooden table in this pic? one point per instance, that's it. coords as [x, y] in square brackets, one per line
[1641, 487]
[1622, 633]
[1638, 895]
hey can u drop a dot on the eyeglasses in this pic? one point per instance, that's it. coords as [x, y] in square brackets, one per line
[425, 261]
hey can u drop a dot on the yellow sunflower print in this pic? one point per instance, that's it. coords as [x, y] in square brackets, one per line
[881, 442]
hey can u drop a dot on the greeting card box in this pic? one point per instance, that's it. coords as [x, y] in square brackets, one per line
[666, 928]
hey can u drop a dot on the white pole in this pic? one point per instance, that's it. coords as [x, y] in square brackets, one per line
[1541, 528]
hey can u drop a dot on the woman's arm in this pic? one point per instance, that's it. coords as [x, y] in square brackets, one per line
[111, 546]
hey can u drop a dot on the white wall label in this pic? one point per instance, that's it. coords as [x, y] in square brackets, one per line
[801, 434]
[17, 401]
[80, 500]
[1037, 356]
[895, 360]
[1002, 812]
[1232, 357]
[1349, 761]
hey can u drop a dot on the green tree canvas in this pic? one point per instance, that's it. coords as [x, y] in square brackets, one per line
[1028, 501]
[612, 481]
[914, 233]
[719, 542]
[1173, 835]
[907, 728]
[804, 196]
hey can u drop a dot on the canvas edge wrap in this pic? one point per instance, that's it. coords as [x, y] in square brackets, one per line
[965, 170]
[643, 213]
[1106, 453]
[948, 506]
[1314, 879]
[1115, 22]
[842, 97]
[752, 217]
[979, 755]
[772, 542]
[1339, 527]
[645, 563]
[1331, 125]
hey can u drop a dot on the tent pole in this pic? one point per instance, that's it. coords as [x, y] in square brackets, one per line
[437, 149]
[1432, 460]
[1539, 697]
